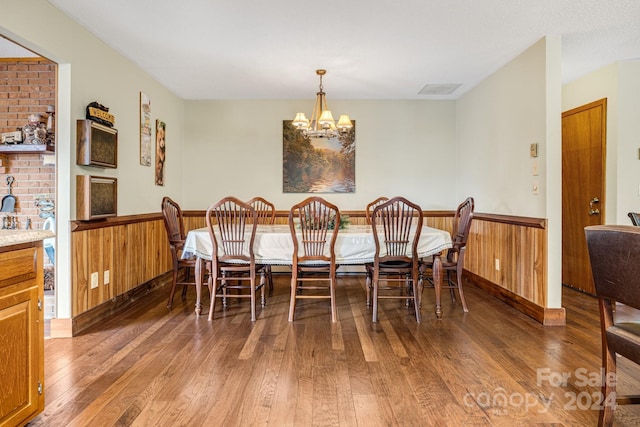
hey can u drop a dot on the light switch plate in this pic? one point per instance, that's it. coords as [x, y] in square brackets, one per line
[533, 150]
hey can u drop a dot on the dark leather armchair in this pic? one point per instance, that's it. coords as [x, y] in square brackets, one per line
[614, 252]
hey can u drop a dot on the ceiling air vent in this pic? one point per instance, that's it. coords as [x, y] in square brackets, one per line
[439, 89]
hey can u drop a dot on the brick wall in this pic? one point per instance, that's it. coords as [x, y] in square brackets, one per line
[27, 86]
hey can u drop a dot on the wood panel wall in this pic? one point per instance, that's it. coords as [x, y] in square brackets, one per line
[135, 250]
[520, 246]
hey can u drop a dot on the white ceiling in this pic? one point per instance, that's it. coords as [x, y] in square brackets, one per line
[372, 49]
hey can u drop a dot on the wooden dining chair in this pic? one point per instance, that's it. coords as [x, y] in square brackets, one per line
[265, 210]
[371, 206]
[368, 267]
[314, 257]
[614, 253]
[396, 224]
[266, 214]
[232, 227]
[173, 223]
[454, 261]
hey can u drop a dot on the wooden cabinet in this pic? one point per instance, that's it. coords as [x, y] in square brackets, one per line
[21, 333]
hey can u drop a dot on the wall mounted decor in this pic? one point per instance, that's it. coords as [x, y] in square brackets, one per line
[161, 128]
[96, 197]
[145, 130]
[97, 145]
[318, 165]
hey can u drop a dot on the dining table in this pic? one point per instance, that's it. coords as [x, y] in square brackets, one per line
[355, 245]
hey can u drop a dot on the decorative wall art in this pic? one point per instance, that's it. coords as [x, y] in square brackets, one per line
[161, 128]
[96, 197]
[145, 130]
[97, 145]
[318, 165]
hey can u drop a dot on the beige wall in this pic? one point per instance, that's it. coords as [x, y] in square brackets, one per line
[403, 148]
[496, 123]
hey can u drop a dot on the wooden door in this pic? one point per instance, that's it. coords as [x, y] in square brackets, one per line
[583, 185]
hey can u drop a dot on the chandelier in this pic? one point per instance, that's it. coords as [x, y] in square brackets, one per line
[321, 124]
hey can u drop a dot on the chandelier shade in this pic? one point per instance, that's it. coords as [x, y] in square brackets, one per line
[322, 124]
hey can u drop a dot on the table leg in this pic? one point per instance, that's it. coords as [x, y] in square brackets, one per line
[199, 264]
[437, 283]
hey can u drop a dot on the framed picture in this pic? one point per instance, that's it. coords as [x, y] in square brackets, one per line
[161, 128]
[318, 165]
[97, 145]
[96, 197]
[145, 130]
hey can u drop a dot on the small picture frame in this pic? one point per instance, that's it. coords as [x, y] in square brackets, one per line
[145, 129]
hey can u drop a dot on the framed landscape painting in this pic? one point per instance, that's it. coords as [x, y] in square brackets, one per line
[318, 165]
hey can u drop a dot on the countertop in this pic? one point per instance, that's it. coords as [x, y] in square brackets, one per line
[15, 237]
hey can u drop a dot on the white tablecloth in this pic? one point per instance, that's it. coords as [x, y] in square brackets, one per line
[354, 245]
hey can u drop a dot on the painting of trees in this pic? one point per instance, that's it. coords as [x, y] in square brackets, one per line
[318, 165]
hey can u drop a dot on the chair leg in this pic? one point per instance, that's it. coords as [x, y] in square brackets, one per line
[270, 280]
[223, 286]
[450, 283]
[408, 285]
[420, 289]
[264, 278]
[187, 278]
[607, 411]
[459, 278]
[253, 297]
[375, 299]
[294, 288]
[367, 285]
[212, 287]
[416, 299]
[173, 288]
[332, 291]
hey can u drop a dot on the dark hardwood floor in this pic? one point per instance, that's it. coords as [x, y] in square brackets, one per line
[492, 366]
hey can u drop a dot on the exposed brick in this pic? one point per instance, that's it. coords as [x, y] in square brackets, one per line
[26, 87]
[18, 67]
[19, 82]
[28, 74]
[41, 67]
[39, 81]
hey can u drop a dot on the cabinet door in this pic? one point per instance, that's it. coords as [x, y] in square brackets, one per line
[21, 341]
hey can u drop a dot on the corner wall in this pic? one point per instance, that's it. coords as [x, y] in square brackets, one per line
[496, 123]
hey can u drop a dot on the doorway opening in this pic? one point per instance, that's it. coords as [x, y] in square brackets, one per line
[27, 150]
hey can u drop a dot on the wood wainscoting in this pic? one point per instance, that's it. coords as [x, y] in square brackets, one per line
[507, 258]
[135, 252]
